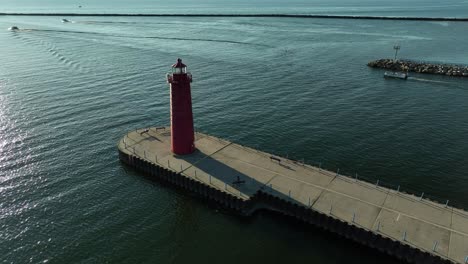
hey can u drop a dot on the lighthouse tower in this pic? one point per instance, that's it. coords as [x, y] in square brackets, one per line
[182, 134]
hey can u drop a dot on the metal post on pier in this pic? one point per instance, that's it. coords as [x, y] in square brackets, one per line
[355, 176]
[338, 172]
[209, 177]
[378, 226]
[309, 201]
[420, 198]
[404, 236]
[397, 47]
[289, 194]
[446, 204]
[354, 216]
[398, 190]
[331, 208]
[434, 248]
[225, 186]
[377, 184]
[181, 167]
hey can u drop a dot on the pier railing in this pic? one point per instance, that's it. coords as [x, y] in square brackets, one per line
[186, 171]
[360, 220]
[350, 215]
[418, 196]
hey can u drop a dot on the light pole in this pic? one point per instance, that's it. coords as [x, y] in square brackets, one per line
[396, 48]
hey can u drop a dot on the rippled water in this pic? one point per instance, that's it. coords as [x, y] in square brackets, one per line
[299, 87]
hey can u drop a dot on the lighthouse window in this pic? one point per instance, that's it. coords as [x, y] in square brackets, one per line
[179, 70]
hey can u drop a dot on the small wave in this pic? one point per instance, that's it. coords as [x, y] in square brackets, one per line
[441, 23]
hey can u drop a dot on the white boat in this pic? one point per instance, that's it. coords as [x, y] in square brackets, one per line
[397, 75]
[13, 28]
[64, 20]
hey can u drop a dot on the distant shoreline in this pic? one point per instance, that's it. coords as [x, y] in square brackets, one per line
[454, 19]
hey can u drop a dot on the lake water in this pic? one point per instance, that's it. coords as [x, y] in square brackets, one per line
[290, 86]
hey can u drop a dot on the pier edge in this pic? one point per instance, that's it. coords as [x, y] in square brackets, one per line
[264, 200]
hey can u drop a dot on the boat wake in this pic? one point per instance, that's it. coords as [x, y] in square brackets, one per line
[108, 22]
[204, 40]
[146, 37]
[427, 80]
[53, 50]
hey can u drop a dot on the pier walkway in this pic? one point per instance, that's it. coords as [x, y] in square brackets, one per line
[433, 228]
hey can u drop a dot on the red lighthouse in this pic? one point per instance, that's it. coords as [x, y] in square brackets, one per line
[182, 134]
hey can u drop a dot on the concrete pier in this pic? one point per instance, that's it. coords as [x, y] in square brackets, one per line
[243, 179]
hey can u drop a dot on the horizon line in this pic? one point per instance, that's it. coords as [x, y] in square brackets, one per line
[455, 19]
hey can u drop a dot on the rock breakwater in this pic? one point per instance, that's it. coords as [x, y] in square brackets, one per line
[420, 67]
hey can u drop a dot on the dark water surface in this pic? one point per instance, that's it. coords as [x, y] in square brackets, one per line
[300, 87]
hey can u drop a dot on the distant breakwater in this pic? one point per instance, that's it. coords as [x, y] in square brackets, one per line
[420, 67]
[454, 19]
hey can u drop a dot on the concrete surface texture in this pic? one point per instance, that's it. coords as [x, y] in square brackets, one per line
[242, 171]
